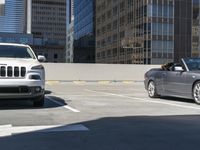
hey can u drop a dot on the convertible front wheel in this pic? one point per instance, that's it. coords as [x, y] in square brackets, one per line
[196, 93]
[152, 90]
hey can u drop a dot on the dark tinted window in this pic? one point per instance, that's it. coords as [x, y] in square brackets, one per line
[15, 52]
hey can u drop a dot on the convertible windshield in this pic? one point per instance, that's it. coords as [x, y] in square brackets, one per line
[192, 63]
[15, 52]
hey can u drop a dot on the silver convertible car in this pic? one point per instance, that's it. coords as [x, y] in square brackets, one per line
[177, 80]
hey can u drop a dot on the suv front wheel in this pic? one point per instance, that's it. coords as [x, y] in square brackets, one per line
[39, 101]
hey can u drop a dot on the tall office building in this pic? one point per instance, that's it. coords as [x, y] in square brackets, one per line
[84, 31]
[196, 28]
[146, 31]
[49, 29]
[2, 7]
[70, 31]
[14, 16]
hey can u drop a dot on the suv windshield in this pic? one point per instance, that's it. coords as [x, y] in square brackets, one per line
[15, 52]
[192, 63]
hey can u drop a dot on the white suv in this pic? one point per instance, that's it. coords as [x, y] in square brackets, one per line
[21, 74]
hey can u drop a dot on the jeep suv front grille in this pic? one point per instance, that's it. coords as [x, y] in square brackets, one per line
[12, 72]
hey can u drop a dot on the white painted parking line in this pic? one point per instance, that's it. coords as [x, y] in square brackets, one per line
[8, 130]
[64, 106]
[142, 100]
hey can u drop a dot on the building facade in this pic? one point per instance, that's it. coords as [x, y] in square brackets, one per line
[16, 38]
[196, 28]
[70, 31]
[84, 31]
[135, 31]
[13, 16]
[146, 31]
[49, 29]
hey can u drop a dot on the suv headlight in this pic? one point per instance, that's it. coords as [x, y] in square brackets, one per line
[38, 67]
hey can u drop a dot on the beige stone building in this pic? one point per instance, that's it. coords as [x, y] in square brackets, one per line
[117, 39]
[146, 31]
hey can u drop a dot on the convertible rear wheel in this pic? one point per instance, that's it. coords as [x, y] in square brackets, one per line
[196, 93]
[152, 90]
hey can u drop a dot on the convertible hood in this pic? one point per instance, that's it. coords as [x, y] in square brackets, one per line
[18, 62]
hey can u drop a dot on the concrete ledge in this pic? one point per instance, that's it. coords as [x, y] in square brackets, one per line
[96, 72]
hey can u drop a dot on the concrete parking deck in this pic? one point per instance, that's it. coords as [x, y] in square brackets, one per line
[100, 116]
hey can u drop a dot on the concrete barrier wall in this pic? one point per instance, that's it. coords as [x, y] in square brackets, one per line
[96, 72]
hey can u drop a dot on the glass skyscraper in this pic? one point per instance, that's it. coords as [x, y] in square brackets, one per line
[13, 16]
[84, 31]
[70, 31]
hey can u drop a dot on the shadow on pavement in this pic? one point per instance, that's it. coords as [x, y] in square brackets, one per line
[167, 98]
[120, 133]
[14, 104]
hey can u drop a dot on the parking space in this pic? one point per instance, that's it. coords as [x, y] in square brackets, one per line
[96, 115]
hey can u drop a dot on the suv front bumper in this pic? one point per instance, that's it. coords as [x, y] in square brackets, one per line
[20, 88]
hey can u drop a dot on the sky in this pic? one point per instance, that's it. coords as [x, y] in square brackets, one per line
[2, 1]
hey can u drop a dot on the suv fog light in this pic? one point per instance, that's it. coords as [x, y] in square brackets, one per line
[38, 89]
[35, 77]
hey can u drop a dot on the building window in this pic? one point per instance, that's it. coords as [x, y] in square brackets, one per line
[114, 38]
[109, 27]
[122, 21]
[108, 2]
[160, 12]
[103, 18]
[108, 53]
[163, 46]
[103, 29]
[115, 24]
[122, 6]
[130, 3]
[115, 11]
[103, 54]
[122, 34]
[98, 32]
[98, 20]
[122, 51]
[109, 40]
[55, 56]
[114, 52]
[109, 14]
[98, 55]
[130, 17]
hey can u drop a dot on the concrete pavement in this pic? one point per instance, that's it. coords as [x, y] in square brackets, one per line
[118, 116]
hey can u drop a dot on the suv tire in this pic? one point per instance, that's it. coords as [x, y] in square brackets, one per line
[39, 101]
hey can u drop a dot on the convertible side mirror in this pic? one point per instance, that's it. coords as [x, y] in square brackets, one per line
[41, 58]
[178, 68]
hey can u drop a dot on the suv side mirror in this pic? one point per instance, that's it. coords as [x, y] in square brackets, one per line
[178, 68]
[41, 58]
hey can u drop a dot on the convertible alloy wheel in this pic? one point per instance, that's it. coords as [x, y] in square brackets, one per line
[196, 92]
[152, 89]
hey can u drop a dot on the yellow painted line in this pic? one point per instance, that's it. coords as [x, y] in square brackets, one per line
[79, 82]
[127, 82]
[104, 82]
[52, 82]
